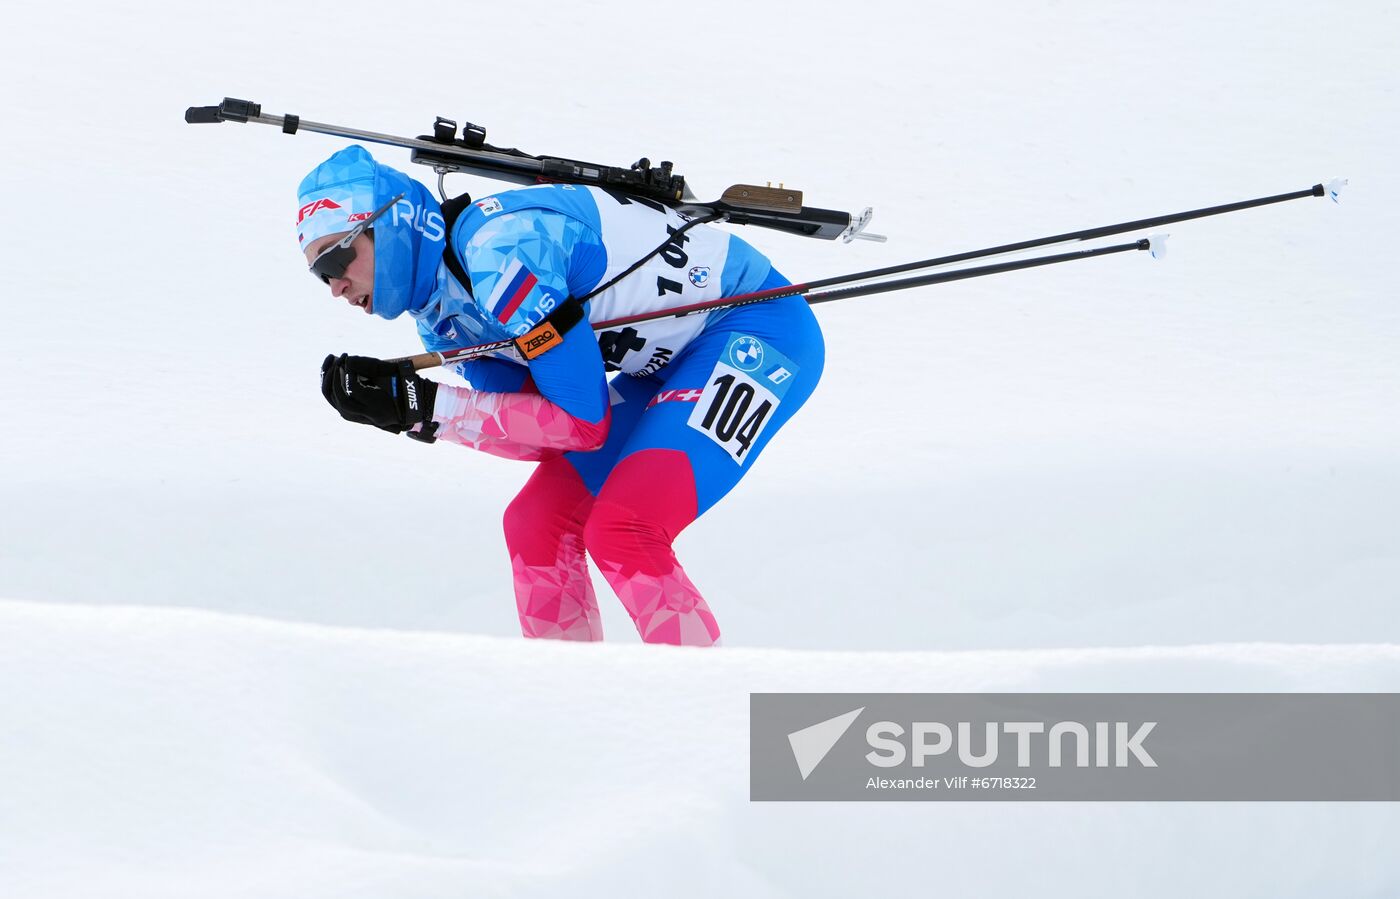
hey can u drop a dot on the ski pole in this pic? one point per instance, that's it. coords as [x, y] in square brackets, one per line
[1156, 244]
[1332, 189]
[824, 296]
[812, 289]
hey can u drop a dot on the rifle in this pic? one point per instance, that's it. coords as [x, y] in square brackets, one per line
[779, 208]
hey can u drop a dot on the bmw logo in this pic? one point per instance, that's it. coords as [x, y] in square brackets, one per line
[700, 275]
[746, 353]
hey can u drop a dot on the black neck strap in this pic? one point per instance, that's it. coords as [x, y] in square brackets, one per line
[451, 211]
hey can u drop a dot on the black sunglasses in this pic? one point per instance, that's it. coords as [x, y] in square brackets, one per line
[336, 258]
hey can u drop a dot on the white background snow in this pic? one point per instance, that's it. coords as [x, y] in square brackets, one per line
[247, 649]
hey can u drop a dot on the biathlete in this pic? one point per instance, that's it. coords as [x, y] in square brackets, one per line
[626, 460]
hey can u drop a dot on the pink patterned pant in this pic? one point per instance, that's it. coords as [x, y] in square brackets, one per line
[628, 528]
[648, 499]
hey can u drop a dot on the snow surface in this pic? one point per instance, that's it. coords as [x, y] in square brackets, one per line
[250, 650]
[183, 752]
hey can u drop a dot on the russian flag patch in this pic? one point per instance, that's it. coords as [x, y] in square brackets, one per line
[515, 285]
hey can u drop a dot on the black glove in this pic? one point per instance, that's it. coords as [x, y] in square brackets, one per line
[371, 391]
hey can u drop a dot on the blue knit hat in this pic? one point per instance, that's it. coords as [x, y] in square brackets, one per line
[408, 239]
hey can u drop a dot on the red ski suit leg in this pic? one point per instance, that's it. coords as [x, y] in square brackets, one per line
[628, 530]
[647, 500]
[544, 534]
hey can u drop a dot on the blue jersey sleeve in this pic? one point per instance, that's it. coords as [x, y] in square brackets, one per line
[521, 265]
[493, 375]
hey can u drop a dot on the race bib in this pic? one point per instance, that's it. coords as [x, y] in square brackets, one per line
[742, 394]
[688, 269]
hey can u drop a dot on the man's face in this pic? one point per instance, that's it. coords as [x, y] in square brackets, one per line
[357, 286]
